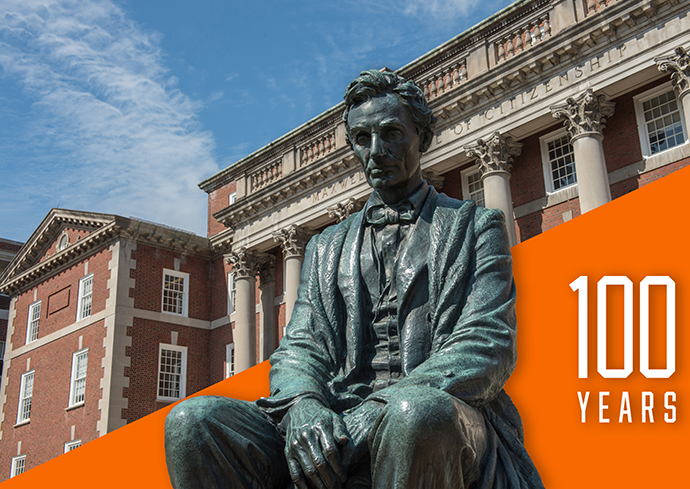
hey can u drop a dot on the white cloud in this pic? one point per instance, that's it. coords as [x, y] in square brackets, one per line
[441, 9]
[110, 131]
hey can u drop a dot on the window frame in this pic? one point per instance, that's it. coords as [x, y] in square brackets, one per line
[29, 321]
[546, 162]
[185, 292]
[63, 242]
[232, 198]
[229, 360]
[81, 298]
[22, 397]
[183, 372]
[13, 469]
[72, 445]
[464, 180]
[73, 378]
[638, 101]
[232, 293]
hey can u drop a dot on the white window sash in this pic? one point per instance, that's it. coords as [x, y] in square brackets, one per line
[175, 295]
[643, 133]
[77, 388]
[172, 372]
[229, 360]
[18, 465]
[232, 293]
[25, 397]
[85, 302]
[71, 445]
[546, 161]
[33, 322]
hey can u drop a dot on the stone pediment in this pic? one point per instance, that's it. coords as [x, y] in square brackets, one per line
[40, 256]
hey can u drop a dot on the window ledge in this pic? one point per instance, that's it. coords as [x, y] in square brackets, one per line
[166, 400]
[75, 406]
[22, 423]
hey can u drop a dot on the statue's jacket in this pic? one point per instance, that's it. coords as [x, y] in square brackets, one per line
[457, 324]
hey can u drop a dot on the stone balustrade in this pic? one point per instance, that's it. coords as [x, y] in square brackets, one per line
[444, 80]
[317, 148]
[267, 174]
[594, 6]
[524, 37]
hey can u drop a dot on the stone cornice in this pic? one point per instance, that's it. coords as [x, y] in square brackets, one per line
[26, 270]
[291, 186]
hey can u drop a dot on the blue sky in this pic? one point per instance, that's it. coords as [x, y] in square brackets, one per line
[124, 106]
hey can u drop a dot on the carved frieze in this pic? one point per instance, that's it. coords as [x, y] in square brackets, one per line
[584, 114]
[494, 153]
[678, 64]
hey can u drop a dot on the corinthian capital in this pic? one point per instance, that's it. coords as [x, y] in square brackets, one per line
[678, 64]
[343, 210]
[293, 239]
[267, 270]
[494, 153]
[245, 263]
[584, 114]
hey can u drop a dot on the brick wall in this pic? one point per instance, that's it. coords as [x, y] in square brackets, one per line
[218, 339]
[143, 370]
[218, 200]
[45, 435]
[148, 276]
[59, 295]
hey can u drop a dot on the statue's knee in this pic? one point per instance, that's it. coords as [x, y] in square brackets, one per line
[187, 418]
[421, 409]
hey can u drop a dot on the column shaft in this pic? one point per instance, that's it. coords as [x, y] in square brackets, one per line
[592, 175]
[293, 270]
[497, 195]
[244, 334]
[268, 332]
[684, 98]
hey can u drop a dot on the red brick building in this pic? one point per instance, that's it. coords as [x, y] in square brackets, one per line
[546, 110]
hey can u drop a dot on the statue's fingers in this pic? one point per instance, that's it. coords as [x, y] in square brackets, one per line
[309, 453]
[331, 452]
[340, 432]
[296, 474]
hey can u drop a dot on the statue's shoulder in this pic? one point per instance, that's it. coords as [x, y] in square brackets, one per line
[468, 208]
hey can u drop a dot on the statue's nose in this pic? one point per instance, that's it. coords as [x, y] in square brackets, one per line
[377, 146]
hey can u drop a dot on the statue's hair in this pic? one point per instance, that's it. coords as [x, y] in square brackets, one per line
[372, 83]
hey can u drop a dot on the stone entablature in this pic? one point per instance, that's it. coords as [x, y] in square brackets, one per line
[474, 91]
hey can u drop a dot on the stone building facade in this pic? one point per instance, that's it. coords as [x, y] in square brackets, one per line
[546, 110]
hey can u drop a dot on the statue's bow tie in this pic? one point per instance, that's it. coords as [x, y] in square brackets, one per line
[380, 215]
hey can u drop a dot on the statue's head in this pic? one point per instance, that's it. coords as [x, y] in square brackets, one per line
[389, 125]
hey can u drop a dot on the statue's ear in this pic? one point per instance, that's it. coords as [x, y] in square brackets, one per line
[425, 139]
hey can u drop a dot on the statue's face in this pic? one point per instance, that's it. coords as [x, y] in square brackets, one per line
[386, 142]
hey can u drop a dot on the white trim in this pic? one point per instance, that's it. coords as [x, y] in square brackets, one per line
[641, 124]
[465, 183]
[71, 445]
[546, 161]
[185, 291]
[73, 401]
[18, 462]
[29, 329]
[23, 397]
[232, 293]
[232, 198]
[229, 360]
[182, 387]
[63, 241]
[84, 298]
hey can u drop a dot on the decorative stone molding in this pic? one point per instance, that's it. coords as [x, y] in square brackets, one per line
[433, 179]
[584, 114]
[267, 174]
[678, 64]
[245, 263]
[523, 38]
[293, 239]
[267, 270]
[343, 210]
[316, 148]
[494, 153]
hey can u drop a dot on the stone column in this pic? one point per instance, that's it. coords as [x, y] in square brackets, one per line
[267, 292]
[494, 155]
[678, 64]
[293, 240]
[343, 210]
[584, 118]
[245, 267]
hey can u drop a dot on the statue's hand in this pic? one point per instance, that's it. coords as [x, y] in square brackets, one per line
[312, 440]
